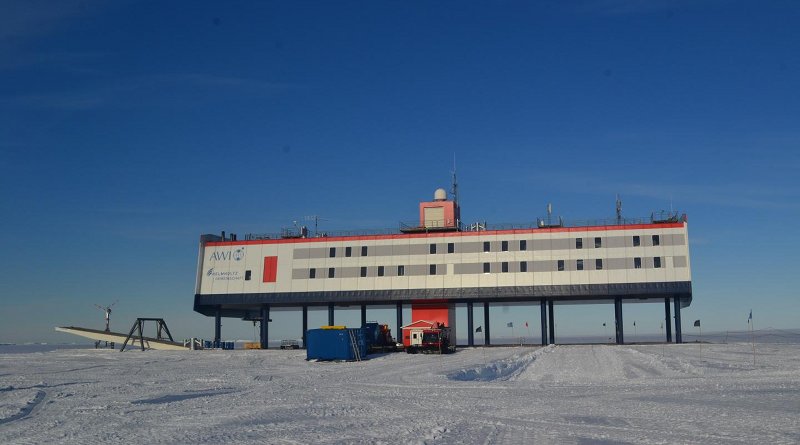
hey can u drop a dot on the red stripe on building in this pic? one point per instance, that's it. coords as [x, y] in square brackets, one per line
[270, 269]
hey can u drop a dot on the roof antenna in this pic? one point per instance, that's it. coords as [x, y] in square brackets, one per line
[549, 213]
[454, 190]
[619, 210]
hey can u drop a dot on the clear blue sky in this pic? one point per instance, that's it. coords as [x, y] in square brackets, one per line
[127, 129]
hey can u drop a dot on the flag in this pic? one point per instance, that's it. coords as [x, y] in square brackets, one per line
[697, 323]
[604, 324]
[662, 325]
[750, 317]
[510, 324]
[634, 323]
[480, 329]
[526, 324]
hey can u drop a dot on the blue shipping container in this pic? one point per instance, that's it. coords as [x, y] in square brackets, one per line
[334, 344]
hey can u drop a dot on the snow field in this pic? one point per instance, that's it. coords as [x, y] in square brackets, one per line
[557, 394]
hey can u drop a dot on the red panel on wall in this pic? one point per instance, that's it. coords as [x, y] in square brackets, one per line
[270, 269]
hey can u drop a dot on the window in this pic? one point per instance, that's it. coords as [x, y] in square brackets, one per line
[636, 241]
[312, 273]
[656, 240]
[637, 263]
[579, 243]
[380, 271]
[598, 264]
[486, 246]
[401, 271]
[523, 244]
[598, 242]
[331, 272]
[363, 272]
[579, 265]
[451, 247]
[332, 253]
[348, 251]
[363, 250]
[504, 266]
[433, 248]
[247, 275]
[657, 262]
[485, 267]
[523, 266]
[432, 269]
[560, 265]
[504, 246]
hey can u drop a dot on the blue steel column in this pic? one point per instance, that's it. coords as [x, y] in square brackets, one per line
[265, 326]
[552, 324]
[217, 325]
[668, 320]
[678, 336]
[305, 324]
[543, 306]
[330, 314]
[470, 332]
[618, 321]
[363, 315]
[399, 338]
[486, 339]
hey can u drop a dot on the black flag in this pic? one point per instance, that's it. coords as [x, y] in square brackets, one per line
[480, 329]
[697, 323]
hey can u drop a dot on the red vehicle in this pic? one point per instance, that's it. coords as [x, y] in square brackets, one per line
[432, 339]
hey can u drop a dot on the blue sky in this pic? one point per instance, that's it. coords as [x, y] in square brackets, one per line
[127, 129]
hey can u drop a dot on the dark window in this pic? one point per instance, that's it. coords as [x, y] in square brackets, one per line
[331, 272]
[363, 250]
[656, 240]
[523, 266]
[523, 244]
[451, 247]
[504, 266]
[348, 251]
[504, 246]
[485, 267]
[247, 275]
[380, 271]
[657, 262]
[432, 269]
[401, 271]
[363, 272]
[486, 246]
[433, 248]
[636, 241]
[312, 273]
[560, 265]
[598, 242]
[637, 263]
[598, 264]
[579, 243]
[332, 252]
[579, 265]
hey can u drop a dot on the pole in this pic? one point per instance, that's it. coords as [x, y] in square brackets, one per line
[753, 340]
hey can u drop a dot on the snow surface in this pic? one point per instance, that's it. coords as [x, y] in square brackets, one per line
[589, 394]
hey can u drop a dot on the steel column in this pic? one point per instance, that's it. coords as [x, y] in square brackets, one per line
[330, 314]
[217, 325]
[552, 324]
[363, 315]
[678, 336]
[543, 306]
[399, 337]
[470, 331]
[668, 320]
[486, 339]
[265, 326]
[618, 321]
[305, 324]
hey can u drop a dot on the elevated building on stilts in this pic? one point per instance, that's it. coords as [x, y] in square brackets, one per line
[437, 262]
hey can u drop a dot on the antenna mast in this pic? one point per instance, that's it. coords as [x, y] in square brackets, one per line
[619, 211]
[454, 190]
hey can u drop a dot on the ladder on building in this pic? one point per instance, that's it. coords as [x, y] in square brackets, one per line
[354, 344]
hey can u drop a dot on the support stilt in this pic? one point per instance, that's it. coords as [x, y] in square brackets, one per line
[363, 315]
[217, 325]
[330, 314]
[399, 322]
[668, 320]
[265, 326]
[678, 336]
[543, 307]
[552, 324]
[486, 337]
[305, 324]
[470, 331]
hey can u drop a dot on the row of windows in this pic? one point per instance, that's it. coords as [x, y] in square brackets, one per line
[487, 246]
[523, 267]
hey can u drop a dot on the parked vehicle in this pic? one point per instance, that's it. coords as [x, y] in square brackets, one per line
[290, 344]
